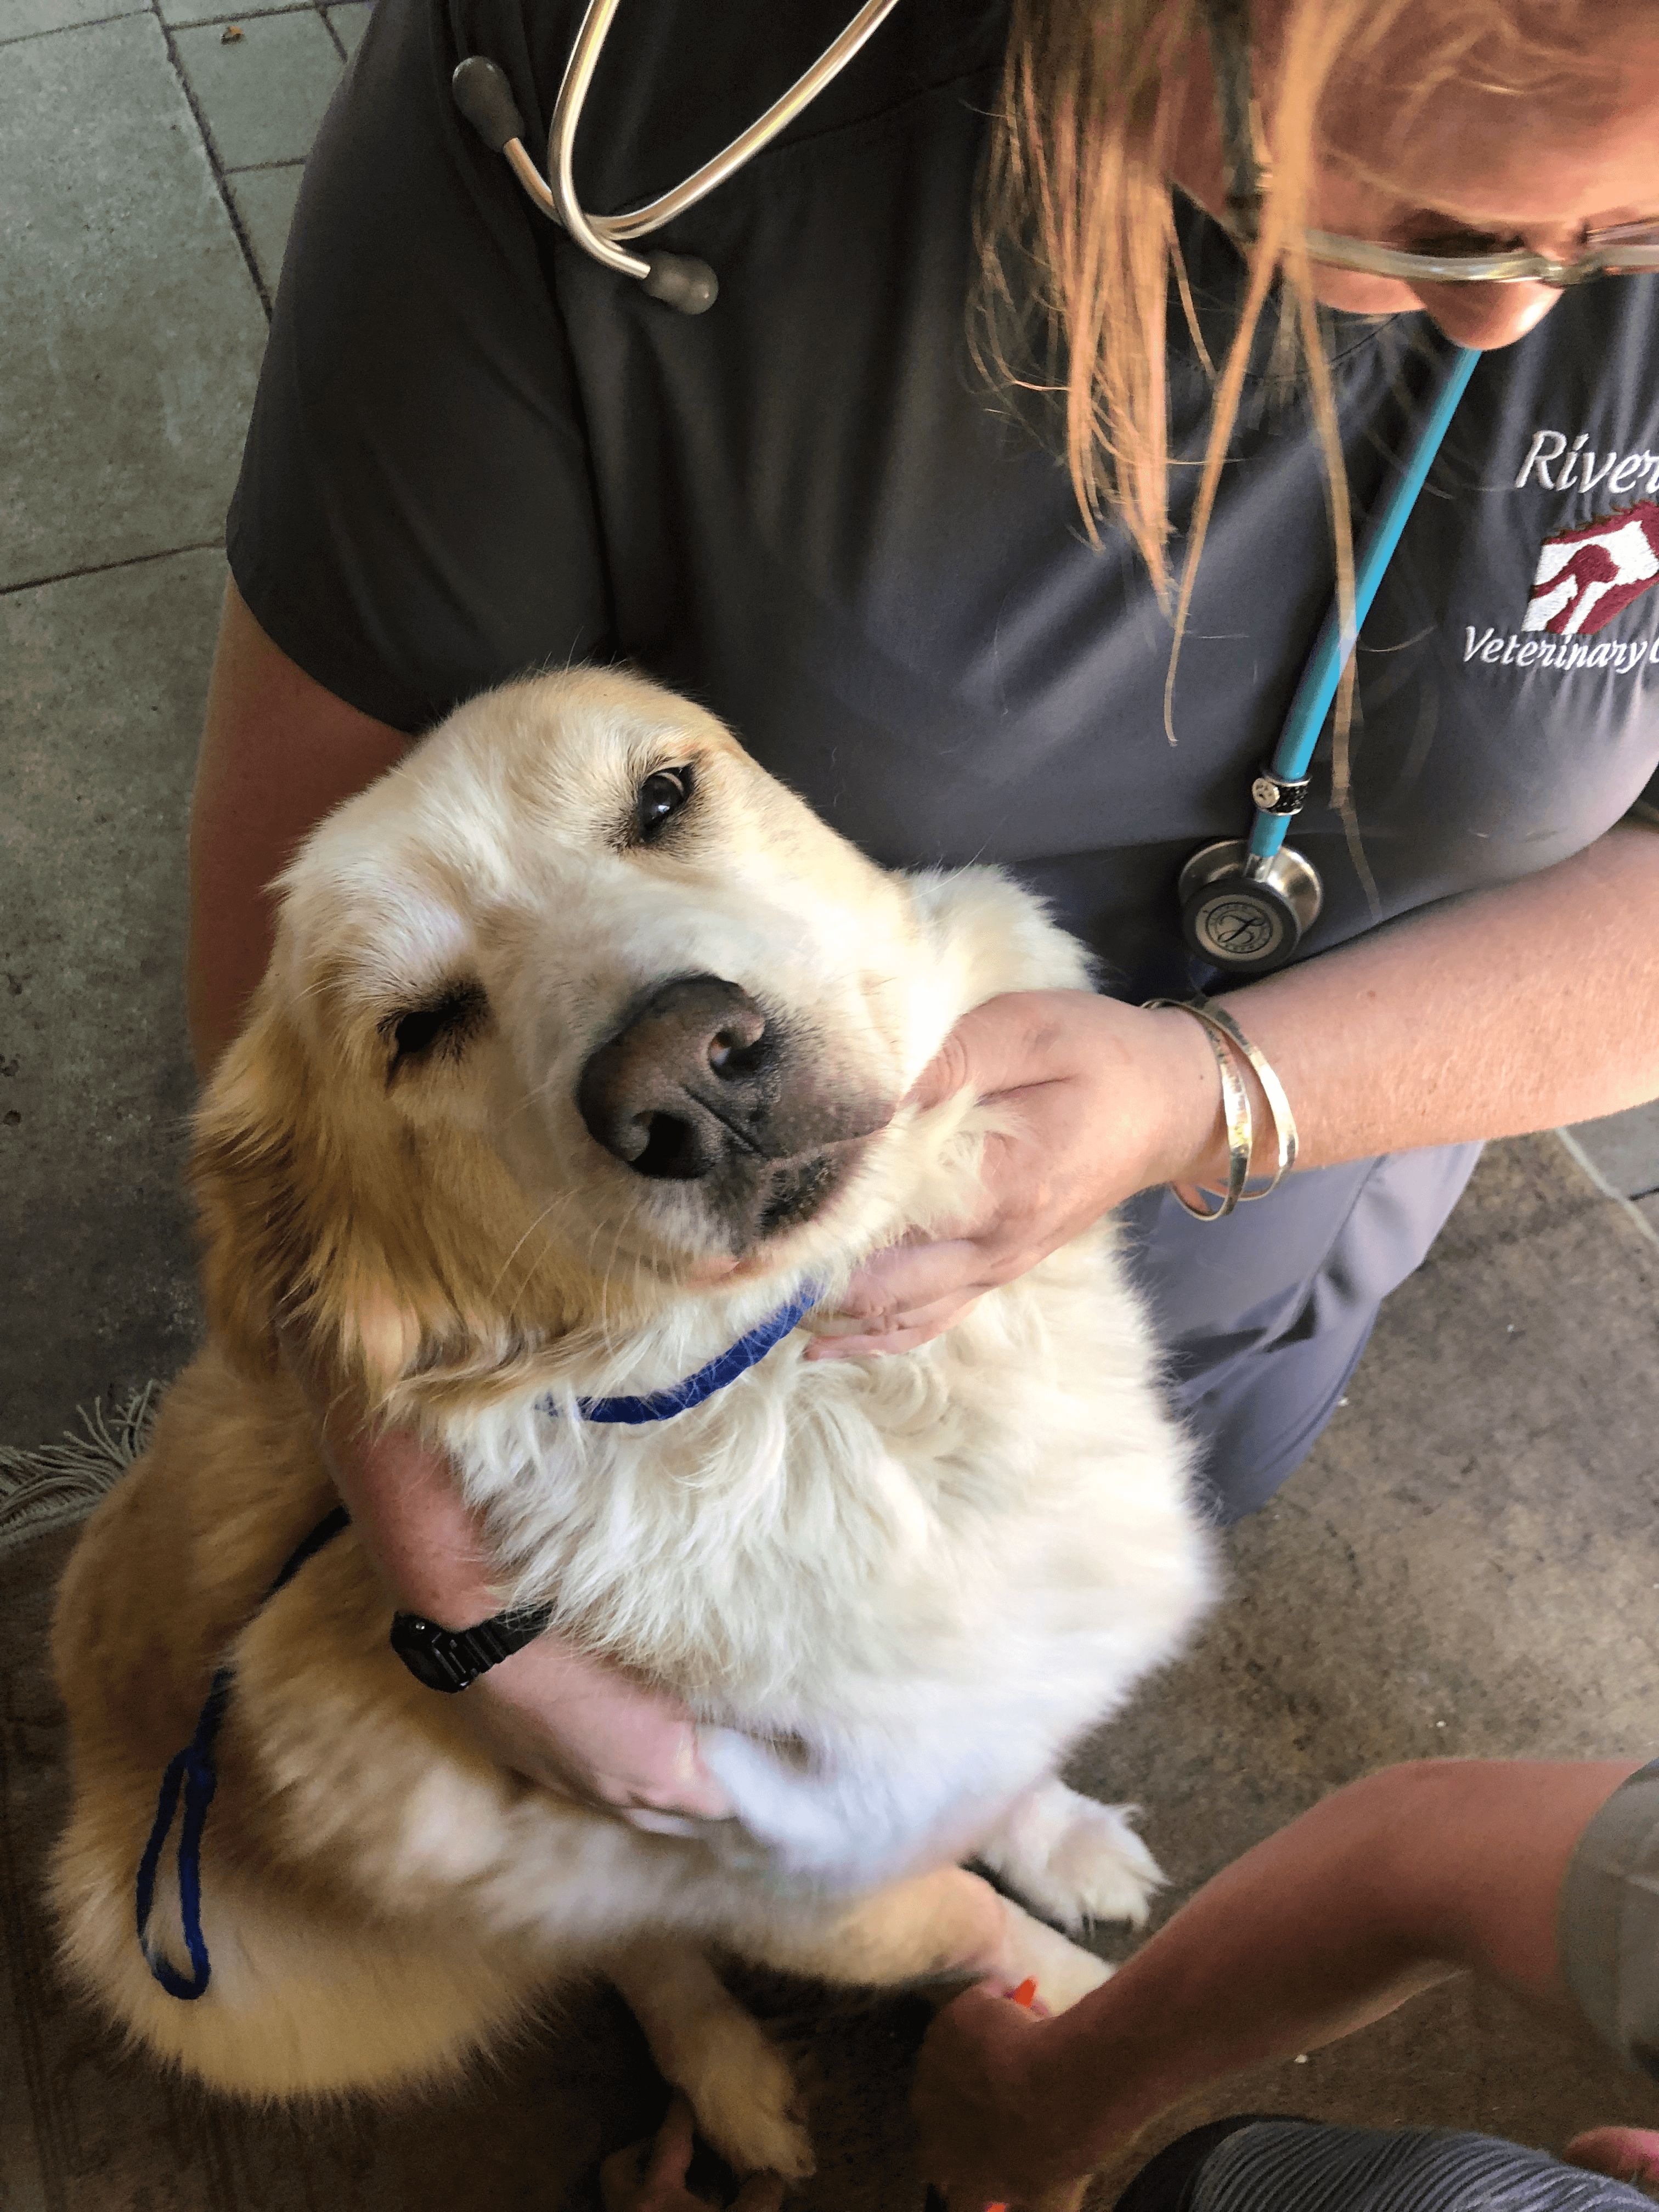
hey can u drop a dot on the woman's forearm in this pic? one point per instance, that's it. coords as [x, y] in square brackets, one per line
[549, 1710]
[1509, 1010]
[278, 752]
[411, 1519]
[1385, 1888]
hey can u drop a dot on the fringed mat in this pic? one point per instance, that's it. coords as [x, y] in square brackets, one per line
[61, 1483]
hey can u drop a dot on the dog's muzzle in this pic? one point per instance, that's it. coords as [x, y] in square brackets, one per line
[701, 1085]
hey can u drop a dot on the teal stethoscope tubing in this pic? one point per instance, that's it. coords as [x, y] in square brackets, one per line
[1317, 689]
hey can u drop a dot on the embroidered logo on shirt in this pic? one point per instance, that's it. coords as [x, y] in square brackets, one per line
[1585, 577]
[1581, 468]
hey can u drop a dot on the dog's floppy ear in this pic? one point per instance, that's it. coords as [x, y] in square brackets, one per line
[244, 1171]
[283, 1246]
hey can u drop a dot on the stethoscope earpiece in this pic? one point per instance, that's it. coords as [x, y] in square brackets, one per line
[1245, 915]
[480, 89]
[680, 281]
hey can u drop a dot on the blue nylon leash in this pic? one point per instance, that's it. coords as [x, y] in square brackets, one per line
[193, 1772]
[1317, 689]
[680, 1398]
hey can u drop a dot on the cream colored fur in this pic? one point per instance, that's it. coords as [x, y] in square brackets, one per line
[894, 1591]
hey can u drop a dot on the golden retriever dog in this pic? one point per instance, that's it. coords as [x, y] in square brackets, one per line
[568, 1013]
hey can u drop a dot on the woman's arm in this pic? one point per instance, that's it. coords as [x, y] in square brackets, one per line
[1502, 1012]
[548, 1712]
[1415, 1874]
[278, 752]
[1505, 1011]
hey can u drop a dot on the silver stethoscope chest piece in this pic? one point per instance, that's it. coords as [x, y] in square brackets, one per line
[1245, 920]
[483, 95]
[1247, 903]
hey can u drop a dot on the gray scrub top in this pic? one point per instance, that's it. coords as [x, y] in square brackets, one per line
[476, 452]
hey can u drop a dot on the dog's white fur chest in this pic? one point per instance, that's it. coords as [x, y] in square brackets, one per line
[894, 1588]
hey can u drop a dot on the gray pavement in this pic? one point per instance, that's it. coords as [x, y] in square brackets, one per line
[1501, 1493]
[1620, 1152]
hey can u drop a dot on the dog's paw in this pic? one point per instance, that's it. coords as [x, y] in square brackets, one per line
[1074, 1859]
[745, 2099]
[1063, 1971]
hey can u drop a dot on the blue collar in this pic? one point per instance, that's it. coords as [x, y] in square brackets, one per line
[680, 1397]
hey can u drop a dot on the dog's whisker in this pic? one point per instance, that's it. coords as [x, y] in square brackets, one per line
[549, 1209]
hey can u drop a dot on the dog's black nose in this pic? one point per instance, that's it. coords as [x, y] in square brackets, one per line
[694, 1072]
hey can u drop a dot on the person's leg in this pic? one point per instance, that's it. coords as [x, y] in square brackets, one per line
[1265, 1315]
[1166, 2183]
[1255, 2164]
[1258, 1422]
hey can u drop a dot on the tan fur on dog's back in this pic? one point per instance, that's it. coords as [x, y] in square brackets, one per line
[193, 1520]
[926, 1575]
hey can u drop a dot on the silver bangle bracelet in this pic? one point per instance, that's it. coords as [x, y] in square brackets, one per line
[1218, 1018]
[1236, 1111]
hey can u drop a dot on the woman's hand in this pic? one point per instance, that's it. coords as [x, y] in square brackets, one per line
[1101, 1100]
[651, 2176]
[980, 2099]
[588, 1730]
[549, 1711]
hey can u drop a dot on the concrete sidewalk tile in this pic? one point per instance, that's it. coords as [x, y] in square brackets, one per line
[26, 19]
[265, 200]
[131, 340]
[222, 12]
[1623, 1149]
[349, 21]
[262, 97]
[102, 680]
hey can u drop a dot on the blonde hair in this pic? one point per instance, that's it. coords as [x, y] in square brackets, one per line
[1077, 219]
[1077, 191]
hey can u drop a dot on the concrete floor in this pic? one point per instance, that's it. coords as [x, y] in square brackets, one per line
[1493, 1567]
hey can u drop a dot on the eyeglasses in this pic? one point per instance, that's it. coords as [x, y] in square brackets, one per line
[1623, 249]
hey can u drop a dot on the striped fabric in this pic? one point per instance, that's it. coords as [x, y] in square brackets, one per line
[1279, 2166]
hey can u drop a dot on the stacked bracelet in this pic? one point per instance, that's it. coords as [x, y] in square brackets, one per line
[1226, 1038]
[1217, 1017]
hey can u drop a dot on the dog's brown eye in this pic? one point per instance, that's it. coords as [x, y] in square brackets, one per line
[658, 799]
[447, 1022]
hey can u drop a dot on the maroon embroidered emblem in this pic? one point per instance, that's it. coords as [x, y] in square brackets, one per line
[1585, 577]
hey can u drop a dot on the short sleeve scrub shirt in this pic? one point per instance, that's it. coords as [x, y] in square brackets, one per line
[476, 452]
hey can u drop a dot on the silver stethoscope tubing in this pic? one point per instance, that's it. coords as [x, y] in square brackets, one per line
[483, 96]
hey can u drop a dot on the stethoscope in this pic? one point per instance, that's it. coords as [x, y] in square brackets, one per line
[1246, 903]
[484, 97]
